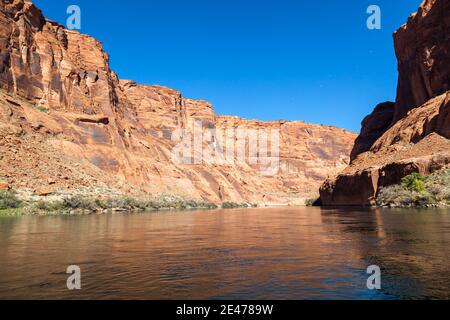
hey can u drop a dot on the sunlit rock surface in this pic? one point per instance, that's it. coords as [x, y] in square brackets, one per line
[67, 122]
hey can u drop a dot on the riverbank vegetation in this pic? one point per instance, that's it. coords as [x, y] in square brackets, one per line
[313, 202]
[418, 191]
[234, 205]
[11, 204]
[9, 200]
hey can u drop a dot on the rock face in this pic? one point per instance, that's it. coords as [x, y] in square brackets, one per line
[412, 134]
[373, 127]
[67, 121]
[417, 143]
[422, 48]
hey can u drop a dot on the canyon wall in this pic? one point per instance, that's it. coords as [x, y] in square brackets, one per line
[412, 134]
[68, 122]
[423, 53]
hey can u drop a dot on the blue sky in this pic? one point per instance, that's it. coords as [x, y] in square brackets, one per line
[281, 59]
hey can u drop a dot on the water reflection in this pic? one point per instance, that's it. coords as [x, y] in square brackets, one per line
[281, 253]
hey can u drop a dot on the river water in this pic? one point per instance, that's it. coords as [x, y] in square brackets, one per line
[276, 253]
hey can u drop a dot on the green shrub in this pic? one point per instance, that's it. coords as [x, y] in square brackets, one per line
[10, 212]
[175, 202]
[50, 206]
[79, 202]
[446, 194]
[414, 182]
[41, 108]
[234, 205]
[398, 197]
[102, 204]
[230, 205]
[394, 196]
[418, 191]
[66, 204]
[9, 200]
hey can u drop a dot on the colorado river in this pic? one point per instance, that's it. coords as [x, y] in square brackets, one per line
[276, 253]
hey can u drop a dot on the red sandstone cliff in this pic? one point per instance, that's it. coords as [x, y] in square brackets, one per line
[67, 122]
[412, 134]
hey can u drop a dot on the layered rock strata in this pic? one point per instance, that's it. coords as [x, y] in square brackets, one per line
[67, 121]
